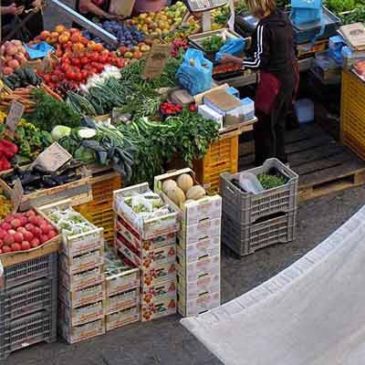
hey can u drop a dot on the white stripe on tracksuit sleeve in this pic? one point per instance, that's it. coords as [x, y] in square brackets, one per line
[256, 61]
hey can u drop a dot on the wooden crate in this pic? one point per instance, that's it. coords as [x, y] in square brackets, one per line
[79, 191]
[100, 210]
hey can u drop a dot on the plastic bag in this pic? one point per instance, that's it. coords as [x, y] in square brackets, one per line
[250, 183]
[38, 50]
[306, 11]
[195, 72]
[233, 46]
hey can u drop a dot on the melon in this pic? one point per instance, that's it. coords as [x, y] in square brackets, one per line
[185, 182]
[168, 185]
[176, 195]
[196, 192]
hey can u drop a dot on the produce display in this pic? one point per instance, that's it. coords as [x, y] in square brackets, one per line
[7, 151]
[69, 222]
[128, 36]
[162, 22]
[183, 190]
[13, 56]
[34, 178]
[22, 77]
[213, 43]
[24, 231]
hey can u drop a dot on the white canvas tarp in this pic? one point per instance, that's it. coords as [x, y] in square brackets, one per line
[312, 313]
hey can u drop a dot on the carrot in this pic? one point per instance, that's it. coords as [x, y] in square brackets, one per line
[49, 91]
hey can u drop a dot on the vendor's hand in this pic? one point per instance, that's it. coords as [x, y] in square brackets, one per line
[227, 58]
[111, 16]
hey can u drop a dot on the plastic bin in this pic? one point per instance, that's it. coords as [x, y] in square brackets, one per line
[28, 330]
[27, 271]
[246, 208]
[28, 298]
[304, 109]
[246, 239]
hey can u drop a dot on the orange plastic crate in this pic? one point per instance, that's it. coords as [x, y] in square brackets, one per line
[353, 113]
[100, 210]
[222, 157]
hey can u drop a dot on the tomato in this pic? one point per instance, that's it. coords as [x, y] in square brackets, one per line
[99, 67]
[47, 78]
[76, 61]
[103, 58]
[54, 78]
[119, 63]
[94, 57]
[93, 71]
[70, 75]
[84, 60]
[65, 67]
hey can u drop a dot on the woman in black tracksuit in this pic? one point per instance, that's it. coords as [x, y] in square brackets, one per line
[273, 53]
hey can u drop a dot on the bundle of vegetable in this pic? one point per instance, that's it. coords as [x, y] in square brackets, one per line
[103, 144]
[50, 112]
[127, 35]
[22, 77]
[13, 56]
[187, 134]
[35, 178]
[69, 222]
[5, 205]
[25, 95]
[24, 231]
[354, 16]
[30, 140]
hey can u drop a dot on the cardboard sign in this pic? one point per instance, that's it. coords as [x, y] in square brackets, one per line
[156, 60]
[122, 8]
[17, 195]
[15, 114]
[52, 158]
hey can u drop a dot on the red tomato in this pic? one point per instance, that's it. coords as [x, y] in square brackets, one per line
[84, 74]
[103, 58]
[76, 61]
[94, 57]
[100, 67]
[84, 60]
[70, 75]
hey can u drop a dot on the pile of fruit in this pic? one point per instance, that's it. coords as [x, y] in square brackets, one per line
[5, 205]
[24, 231]
[12, 55]
[183, 190]
[160, 23]
[128, 36]
[79, 57]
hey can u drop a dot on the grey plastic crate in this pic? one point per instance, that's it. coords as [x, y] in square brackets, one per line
[247, 208]
[26, 331]
[27, 298]
[25, 272]
[246, 239]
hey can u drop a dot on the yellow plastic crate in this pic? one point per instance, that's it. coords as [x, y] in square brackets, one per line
[100, 210]
[222, 157]
[353, 113]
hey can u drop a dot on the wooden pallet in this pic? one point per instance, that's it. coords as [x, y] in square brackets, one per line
[324, 166]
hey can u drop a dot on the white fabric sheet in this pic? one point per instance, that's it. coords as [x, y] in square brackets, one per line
[312, 313]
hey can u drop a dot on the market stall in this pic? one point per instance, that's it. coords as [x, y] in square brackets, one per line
[121, 162]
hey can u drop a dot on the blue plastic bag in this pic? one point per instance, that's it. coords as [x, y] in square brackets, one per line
[38, 50]
[234, 47]
[306, 11]
[195, 72]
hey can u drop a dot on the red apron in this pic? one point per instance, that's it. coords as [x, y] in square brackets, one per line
[266, 93]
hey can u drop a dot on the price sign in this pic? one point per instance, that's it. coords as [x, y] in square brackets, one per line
[15, 114]
[52, 158]
[17, 195]
[156, 60]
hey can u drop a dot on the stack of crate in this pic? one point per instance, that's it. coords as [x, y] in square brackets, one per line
[81, 289]
[122, 285]
[198, 249]
[28, 298]
[150, 245]
[254, 221]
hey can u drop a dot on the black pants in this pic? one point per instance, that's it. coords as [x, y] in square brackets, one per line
[270, 128]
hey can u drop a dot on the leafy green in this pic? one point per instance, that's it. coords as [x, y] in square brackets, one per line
[269, 181]
[51, 112]
[213, 43]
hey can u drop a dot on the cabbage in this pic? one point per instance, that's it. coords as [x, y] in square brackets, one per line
[60, 131]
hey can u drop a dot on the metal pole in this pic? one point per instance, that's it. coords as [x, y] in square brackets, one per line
[87, 24]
